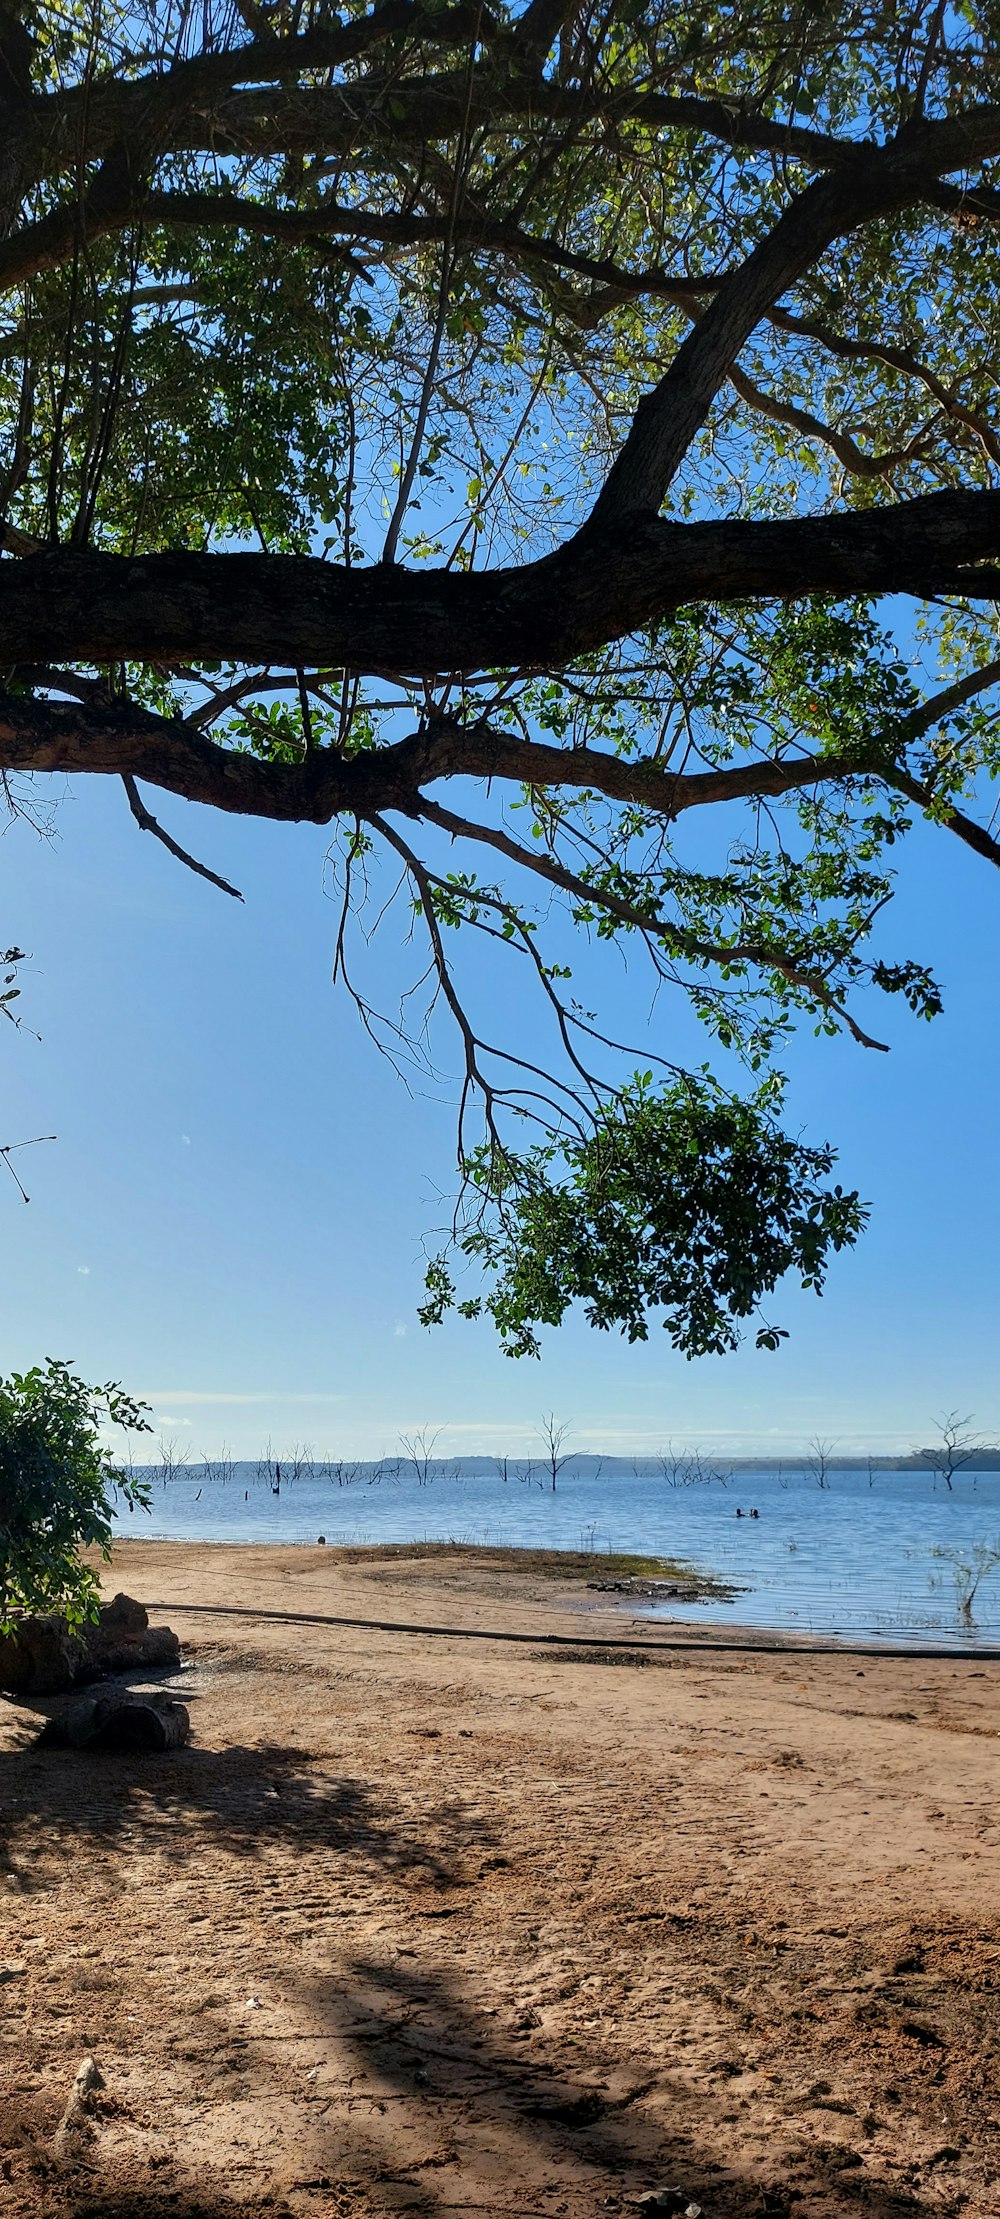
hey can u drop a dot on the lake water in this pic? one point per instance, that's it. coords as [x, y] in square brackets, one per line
[854, 1558]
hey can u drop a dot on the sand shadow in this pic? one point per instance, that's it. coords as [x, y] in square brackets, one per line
[247, 1799]
[498, 2111]
[146, 2203]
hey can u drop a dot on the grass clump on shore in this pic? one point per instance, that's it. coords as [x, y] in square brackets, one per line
[567, 1564]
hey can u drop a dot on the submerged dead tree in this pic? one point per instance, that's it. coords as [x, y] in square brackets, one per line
[553, 447]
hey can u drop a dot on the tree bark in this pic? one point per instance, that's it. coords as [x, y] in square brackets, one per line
[77, 604]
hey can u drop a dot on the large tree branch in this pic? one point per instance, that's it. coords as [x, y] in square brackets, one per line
[111, 200]
[189, 108]
[76, 604]
[270, 58]
[211, 211]
[879, 181]
[394, 109]
[97, 734]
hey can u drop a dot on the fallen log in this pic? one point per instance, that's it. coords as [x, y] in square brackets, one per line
[148, 1724]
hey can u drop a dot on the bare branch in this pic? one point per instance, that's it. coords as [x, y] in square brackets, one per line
[149, 824]
[678, 942]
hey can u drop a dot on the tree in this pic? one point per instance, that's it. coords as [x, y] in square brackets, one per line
[553, 1436]
[819, 1461]
[508, 435]
[954, 1447]
[419, 1450]
[58, 1482]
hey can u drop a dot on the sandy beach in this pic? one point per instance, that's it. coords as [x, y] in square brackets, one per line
[449, 1925]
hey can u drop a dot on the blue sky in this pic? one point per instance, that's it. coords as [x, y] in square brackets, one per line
[231, 1220]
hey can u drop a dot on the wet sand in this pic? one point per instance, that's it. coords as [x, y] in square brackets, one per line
[459, 1926]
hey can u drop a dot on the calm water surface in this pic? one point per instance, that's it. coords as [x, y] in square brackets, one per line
[855, 1558]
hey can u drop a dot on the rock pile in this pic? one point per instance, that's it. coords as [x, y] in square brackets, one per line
[650, 1590]
[43, 1656]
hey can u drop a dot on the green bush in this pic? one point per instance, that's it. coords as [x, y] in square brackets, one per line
[58, 1484]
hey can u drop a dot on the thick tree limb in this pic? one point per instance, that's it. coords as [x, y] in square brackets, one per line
[75, 604]
[394, 110]
[878, 182]
[331, 219]
[99, 736]
[145, 117]
[972, 835]
[944, 704]
[111, 201]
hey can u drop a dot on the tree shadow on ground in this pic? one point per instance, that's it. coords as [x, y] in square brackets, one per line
[443, 2096]
[465, 2114]
[437, 2100]
[246, 1799]
[148, 2204]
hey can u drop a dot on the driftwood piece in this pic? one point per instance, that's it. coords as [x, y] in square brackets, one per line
[147, 1723]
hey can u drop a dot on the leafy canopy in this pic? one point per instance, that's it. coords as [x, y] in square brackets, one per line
[58, 1483]
[554, 447]
[684, 1200]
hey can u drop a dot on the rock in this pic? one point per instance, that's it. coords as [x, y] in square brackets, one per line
[75, 2121]
[158, 1648]
[121, 1620]
[132, 1722]
[669, 2200]
[43, 1657]
[124, 1638]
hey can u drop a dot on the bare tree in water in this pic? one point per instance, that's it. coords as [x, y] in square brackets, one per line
[819, 1461]
[955, 1446]
[553, 1435]
[419, 1449]
[173, 1459]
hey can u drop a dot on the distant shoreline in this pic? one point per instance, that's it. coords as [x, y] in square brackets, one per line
[581, 1466]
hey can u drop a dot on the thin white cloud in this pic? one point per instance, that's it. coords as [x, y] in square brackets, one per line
[186, 1140]
[399, 1332]
[83, 1271]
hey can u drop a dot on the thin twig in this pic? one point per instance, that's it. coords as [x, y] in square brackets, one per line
[148, 823]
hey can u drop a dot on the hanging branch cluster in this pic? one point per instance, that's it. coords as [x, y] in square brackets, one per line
[536, 401]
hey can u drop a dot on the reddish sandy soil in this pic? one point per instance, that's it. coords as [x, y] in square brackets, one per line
[461, 1926]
